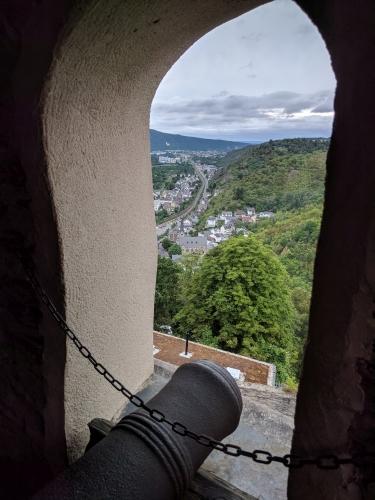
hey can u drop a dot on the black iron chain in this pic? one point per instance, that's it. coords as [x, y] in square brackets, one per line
[327, 461]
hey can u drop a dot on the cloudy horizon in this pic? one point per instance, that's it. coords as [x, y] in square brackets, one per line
[264, 75]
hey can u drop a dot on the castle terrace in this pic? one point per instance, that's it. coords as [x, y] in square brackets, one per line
[169, 348]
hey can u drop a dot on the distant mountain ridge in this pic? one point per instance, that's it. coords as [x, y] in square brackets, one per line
[161, 141]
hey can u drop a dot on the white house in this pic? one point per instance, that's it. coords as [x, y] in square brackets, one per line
[157, 204]
[211, 222]
[265, 215]
[226, 215]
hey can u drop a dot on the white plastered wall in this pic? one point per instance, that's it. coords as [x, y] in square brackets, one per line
[95, 120]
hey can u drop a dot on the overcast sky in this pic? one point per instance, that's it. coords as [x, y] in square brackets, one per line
[266, 74]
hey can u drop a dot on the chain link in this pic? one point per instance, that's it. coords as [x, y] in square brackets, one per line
[326, 462]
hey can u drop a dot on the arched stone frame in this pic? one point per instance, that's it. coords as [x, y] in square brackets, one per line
[141, 41]
[96, 138]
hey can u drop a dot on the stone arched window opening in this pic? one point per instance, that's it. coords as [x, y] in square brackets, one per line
[166, 104]
[182, 95]
[99, 66]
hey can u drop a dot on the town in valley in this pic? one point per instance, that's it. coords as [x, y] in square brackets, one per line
[182, 199]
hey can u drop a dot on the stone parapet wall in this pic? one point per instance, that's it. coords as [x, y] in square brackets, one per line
[169, 348]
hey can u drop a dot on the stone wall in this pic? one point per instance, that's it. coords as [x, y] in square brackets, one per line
[279, 400]
[170, 348]
[32, 351]
[335, 411]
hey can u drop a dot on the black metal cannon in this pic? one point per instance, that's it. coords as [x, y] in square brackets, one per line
[143, 459]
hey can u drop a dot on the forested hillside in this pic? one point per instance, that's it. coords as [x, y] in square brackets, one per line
[277, 175]
[293, 237]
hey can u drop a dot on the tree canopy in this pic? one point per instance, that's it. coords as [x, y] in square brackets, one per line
[170, 247]
[239, 300]
[166, 292]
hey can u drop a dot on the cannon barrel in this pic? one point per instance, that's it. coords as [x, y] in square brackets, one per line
[144, 459]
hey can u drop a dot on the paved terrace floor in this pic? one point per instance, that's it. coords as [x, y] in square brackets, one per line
[170, 349]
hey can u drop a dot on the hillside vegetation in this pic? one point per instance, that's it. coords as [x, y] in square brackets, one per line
[293, 237]
[166, 176]
[277, 175]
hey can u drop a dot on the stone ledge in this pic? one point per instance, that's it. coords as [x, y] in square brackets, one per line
[255, 371]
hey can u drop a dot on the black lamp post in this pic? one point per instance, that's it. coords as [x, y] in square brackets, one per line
[187, 344]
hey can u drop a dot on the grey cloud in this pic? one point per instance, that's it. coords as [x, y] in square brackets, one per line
[323, 108]
[222, 93]
[236, 115]
[234, 107]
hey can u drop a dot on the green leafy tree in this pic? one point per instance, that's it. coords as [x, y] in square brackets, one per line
[166, 243]
[189, 265]
[166, 292]
[239, 192]
[174, 249]
[301, 299]
[170, 247]
[239, 300]
[161, 215]
[170, 185]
